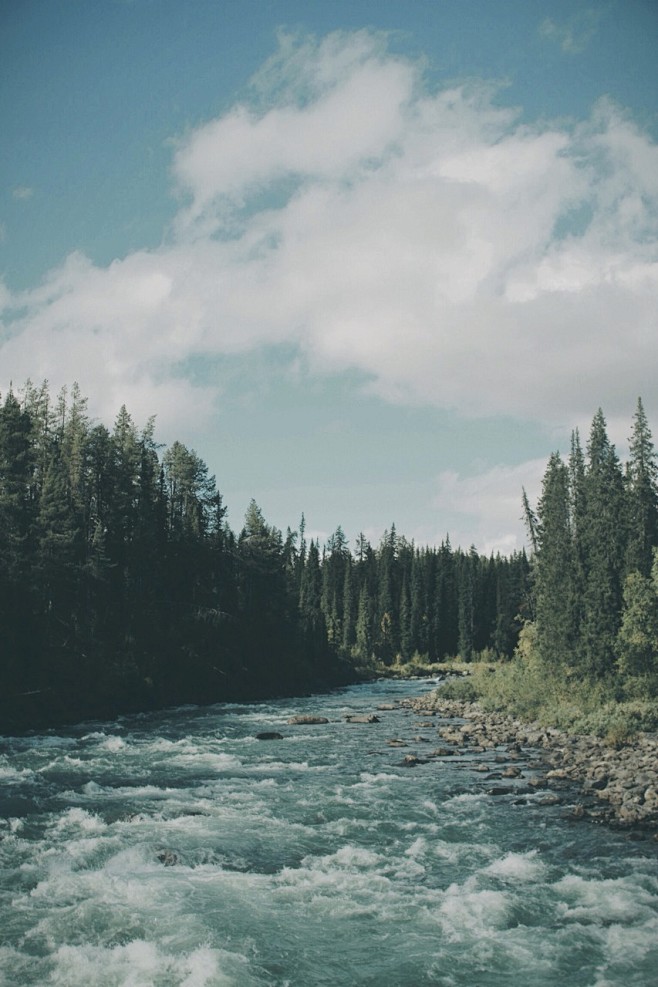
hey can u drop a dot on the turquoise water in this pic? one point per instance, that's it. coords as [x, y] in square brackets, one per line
[175, 848]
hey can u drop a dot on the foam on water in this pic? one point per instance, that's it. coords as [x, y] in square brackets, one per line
[600, 902]
[143, 964]
[517, 867]
[175, 849]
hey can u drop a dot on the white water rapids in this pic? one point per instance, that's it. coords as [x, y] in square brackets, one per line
[176, 849]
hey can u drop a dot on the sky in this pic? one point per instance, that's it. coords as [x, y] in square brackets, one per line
[372, 259]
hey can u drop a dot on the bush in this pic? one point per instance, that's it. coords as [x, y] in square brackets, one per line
[463, 689]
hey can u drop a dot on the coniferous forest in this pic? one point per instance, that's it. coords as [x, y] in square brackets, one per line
[122, 586]
[587, 659]
[595, 574]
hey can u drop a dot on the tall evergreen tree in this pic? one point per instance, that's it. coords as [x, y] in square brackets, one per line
[642, 495]
[555, 588]
[604, 545]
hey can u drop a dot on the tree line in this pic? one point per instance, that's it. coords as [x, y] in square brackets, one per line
[595, 576]
[123, 587]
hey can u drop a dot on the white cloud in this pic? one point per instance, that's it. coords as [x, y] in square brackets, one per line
[488, 505]
[574, 34]
[22, 192]
[381, 226]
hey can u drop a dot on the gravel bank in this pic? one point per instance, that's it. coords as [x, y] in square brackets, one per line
[617, 785]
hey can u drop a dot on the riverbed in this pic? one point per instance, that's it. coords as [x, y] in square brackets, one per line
[177, 849]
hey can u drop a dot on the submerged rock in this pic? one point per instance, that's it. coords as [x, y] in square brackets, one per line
[269, 735]
[168, 857]
[305, 720]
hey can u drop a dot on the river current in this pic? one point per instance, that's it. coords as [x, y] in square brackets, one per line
[177, 849]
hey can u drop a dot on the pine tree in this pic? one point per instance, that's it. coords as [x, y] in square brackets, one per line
[604, 547]
[642, 495]
[555, 599]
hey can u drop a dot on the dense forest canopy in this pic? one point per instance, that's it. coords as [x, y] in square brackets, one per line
[123, 587]
[595, 569]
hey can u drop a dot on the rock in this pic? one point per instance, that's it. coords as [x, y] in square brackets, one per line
[623, 777]
[501, 790]
[364, 718]
[410, 761]
[395, 742]
[168, 858]
[595, 784]
[304, 720]
[269, 735]
[387, 706]
[549, 799]
[444, 752]
[512, 772]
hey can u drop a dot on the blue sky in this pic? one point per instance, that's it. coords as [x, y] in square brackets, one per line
[372, 260]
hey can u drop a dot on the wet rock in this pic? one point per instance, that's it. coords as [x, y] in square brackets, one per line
[596, 784]
[362, 718]
[549, 799]
[512, 772]
[269, 735]
[624, 777]
[305, 720]
[501, 790]
[168, 858]
[386, 707]
[411, 760]
[396, 742]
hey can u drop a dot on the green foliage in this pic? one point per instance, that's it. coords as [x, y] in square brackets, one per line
[462, 689]
[122, 587]
[637, 641]
[594, 530]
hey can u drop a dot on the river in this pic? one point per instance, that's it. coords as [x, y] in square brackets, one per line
[177, 849]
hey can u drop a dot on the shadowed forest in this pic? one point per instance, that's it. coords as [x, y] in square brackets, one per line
[122, 586]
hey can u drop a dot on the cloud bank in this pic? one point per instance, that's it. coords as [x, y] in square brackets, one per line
[454, 254]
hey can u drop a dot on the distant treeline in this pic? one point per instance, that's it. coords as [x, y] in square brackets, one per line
[122, 586]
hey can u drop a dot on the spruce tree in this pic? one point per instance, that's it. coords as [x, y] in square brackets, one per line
[555, 600]
[604, 542]
[642, 495]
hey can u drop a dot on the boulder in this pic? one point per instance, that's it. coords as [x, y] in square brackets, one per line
[168, 858]
[362, 718]
[269, 735]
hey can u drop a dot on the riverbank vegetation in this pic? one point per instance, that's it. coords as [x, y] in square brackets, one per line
[122, 586]
[587, 659]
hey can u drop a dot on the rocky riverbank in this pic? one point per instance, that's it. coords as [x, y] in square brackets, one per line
[616, 785]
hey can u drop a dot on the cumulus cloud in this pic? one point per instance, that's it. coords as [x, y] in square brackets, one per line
[486, 505]
[451, 252]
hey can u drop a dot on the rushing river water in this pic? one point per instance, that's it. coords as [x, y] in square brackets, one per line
[175, 848]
